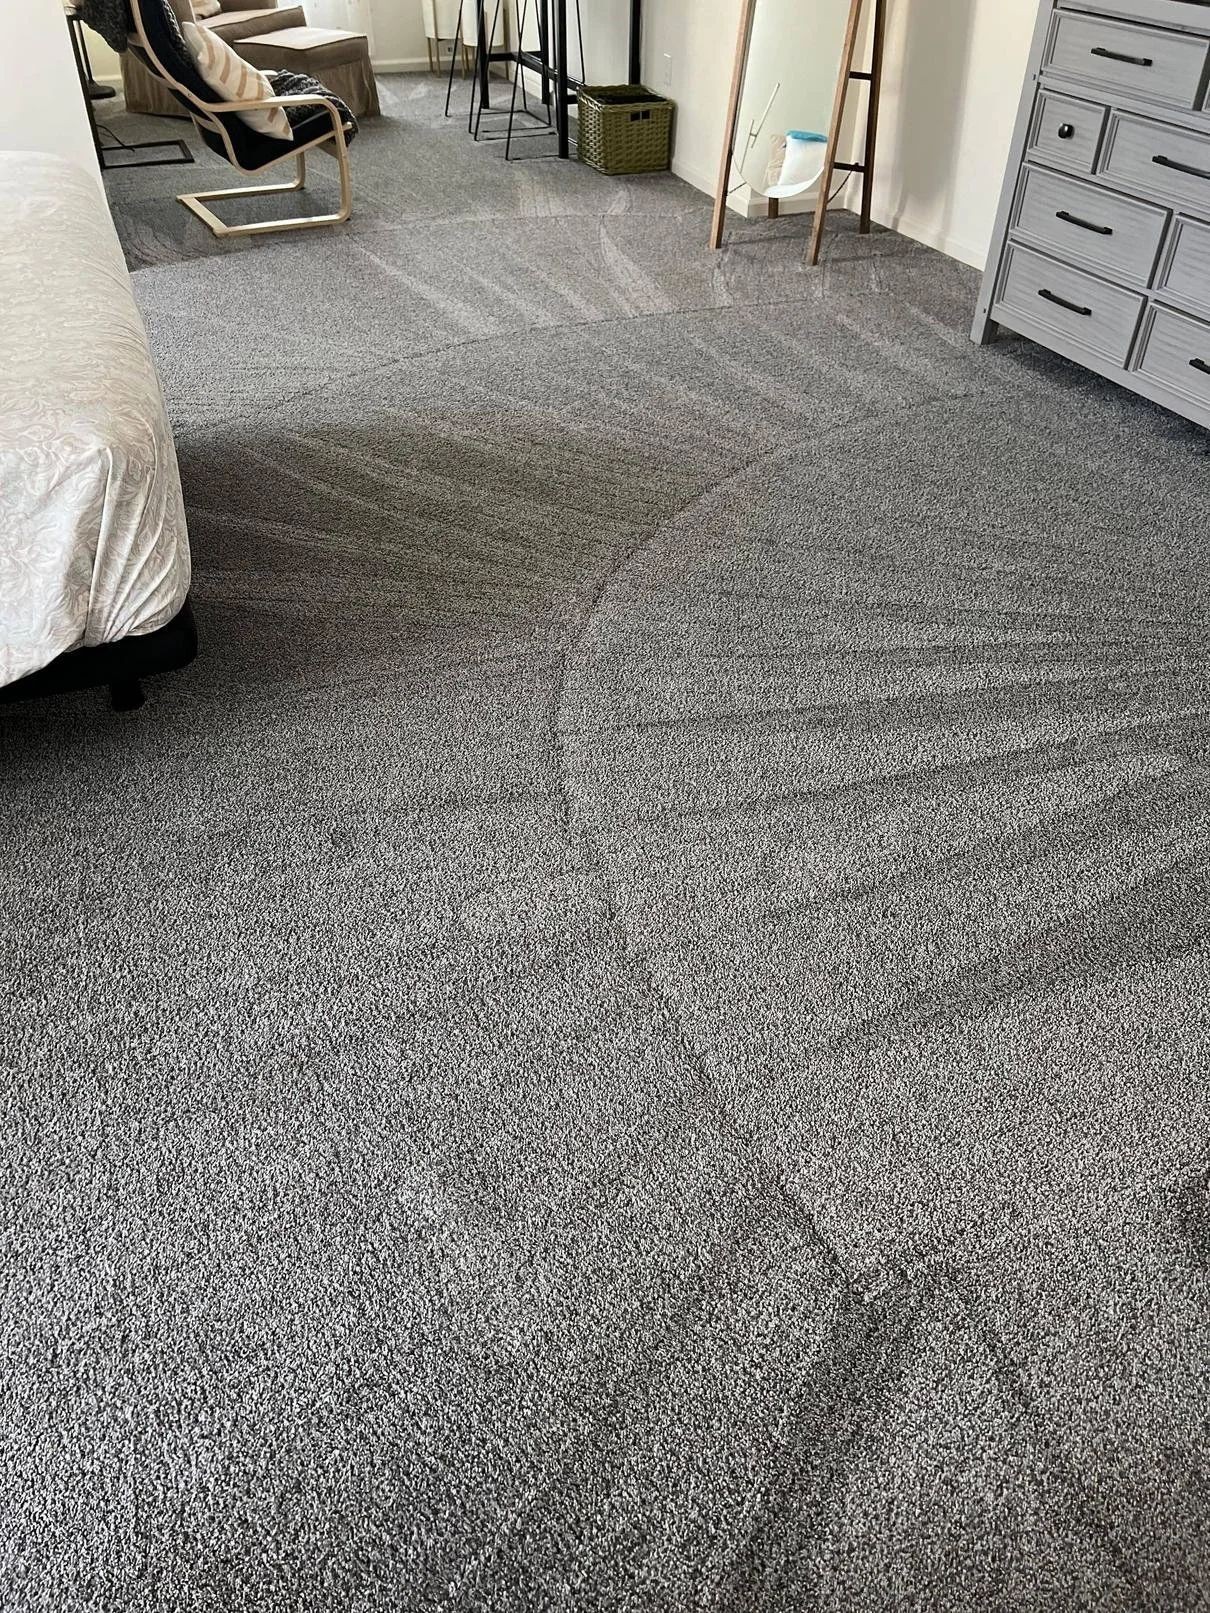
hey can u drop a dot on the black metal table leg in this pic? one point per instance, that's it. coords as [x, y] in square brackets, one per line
[562, 118]
[544, 47]
[484, 63]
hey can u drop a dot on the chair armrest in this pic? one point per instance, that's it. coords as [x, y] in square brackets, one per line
[246, 5]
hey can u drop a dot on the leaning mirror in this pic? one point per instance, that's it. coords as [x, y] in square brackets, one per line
[793, 64]
[789, 85]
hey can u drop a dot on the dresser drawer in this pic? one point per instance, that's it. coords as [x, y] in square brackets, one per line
[1175, 352]
[1149, 62]
[1109, 233]
[1101, 317]
[1156, 160]
[1169, 13]
[1185, 274]
[1066, 132]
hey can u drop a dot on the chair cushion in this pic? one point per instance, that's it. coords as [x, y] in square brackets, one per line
[233, 79]
[307, 123]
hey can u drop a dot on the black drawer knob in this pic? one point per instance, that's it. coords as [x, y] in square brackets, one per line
[1199, 364]
[1066, 130]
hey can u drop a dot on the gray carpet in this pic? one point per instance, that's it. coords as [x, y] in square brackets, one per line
[633, 1034]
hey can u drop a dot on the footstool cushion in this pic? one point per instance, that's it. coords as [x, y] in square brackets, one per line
[339, 60]
[234, 25]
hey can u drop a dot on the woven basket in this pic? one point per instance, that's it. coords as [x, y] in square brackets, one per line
[624, 129]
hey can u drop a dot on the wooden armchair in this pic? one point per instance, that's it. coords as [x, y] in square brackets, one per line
[319, 121]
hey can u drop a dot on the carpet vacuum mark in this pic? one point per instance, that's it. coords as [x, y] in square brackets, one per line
[633, 1034]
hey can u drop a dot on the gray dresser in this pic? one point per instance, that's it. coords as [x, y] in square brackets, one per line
[1101, 248]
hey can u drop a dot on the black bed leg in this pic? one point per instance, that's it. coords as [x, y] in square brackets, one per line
[126, 694]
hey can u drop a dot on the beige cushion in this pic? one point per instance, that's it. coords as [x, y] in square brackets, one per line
[305, 50]
[235, 24]
[206, 8]
[233, 79]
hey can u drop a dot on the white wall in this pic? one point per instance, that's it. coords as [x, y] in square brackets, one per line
[103, 61]
[41, 107]
[951, 83]
[952, 79]
[395, 29]
[699, 35]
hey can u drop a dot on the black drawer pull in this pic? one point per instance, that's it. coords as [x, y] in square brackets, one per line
[1082, 223]
[1066, 130]
[1116, 56]
[1181, 167]
[1072, 307]
[1199, 364]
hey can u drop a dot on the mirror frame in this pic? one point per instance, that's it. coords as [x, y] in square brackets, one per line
[844, 77]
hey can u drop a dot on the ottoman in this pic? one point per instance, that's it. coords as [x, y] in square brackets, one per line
[339, 60]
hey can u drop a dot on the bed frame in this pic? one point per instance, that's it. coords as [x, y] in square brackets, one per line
[121, 665]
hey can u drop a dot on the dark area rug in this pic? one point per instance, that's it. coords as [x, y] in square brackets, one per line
[632, 1035]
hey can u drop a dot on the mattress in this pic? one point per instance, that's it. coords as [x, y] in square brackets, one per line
[93, 544]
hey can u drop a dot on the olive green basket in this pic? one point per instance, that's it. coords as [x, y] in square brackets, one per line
[624, 129]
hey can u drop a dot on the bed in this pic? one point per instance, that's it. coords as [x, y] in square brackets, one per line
[94, 553]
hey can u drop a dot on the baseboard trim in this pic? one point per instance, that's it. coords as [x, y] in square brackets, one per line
[404, 64]
[693, 176]
[952, 246]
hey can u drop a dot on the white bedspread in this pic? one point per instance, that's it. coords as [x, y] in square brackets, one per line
[93, 544]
